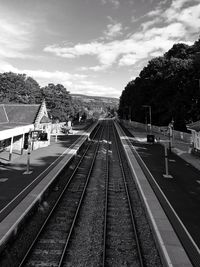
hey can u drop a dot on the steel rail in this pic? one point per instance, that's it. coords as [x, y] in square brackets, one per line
[16, 200]
[191, 248]
[139, 249]
[80, 202]
[106, 200]
[57, 202]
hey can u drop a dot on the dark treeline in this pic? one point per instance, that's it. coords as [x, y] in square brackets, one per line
[170, 85]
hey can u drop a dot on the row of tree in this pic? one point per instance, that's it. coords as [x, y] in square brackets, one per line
[18, 88]
[170, 85]
[61, 105]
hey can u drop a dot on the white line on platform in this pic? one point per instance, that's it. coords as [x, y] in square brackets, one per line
[179, 151]
[2, 180]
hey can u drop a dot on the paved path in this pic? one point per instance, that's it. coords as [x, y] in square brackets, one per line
[12, 177]
[180, 148]
[183, 190]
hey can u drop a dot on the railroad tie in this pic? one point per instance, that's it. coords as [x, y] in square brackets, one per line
[75, 187]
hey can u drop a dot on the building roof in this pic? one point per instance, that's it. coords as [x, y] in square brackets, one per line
[15, 115]
[3, 116]
[194, 126]
[18, 113]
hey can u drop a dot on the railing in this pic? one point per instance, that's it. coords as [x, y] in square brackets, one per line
[187, 137]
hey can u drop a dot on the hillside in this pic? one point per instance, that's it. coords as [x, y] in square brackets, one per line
[95, 106]
[107, 101]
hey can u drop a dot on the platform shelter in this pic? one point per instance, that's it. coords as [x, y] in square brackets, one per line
[23, 125]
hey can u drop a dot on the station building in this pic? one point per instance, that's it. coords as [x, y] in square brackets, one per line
[23, 126]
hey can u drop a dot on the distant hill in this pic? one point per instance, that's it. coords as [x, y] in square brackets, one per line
[107, 101]
[94, 106]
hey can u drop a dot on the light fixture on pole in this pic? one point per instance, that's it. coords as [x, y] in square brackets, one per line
[149, 107]
[171, 126]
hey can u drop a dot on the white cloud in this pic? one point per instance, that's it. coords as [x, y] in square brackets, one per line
[136, 47]
[148, 24]
[178, 4]
[151, 39]
[44, 77]
[95, 68]
[75, 83]
[16, 37]
[157, 53]
[172, 31]
[91, 88]
[106, 53]
[186, 14]
[115, 3]
[128, 59]
[190, 17]
[113, 30]
[77, 50]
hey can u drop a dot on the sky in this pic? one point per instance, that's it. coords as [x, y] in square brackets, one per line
[92, 47]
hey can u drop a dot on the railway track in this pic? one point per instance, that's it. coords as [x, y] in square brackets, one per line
[183, 233]
[98, 219]
[121, 241]
[49, 246]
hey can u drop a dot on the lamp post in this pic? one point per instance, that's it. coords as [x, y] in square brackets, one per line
[149, 107]
[28, 171]
[197, 64]
[171, 125]
[56, 139]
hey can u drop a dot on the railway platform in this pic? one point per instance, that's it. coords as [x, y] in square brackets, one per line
[173, 254]
[180, 190]
[20, 191]
[179, 147]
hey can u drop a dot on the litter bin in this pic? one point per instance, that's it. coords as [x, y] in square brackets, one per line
[150, 138]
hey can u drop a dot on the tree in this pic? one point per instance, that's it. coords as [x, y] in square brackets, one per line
[169, 84]
[18, 88]
[58, 101]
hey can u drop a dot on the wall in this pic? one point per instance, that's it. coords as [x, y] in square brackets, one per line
[39, 144]
[56, 127]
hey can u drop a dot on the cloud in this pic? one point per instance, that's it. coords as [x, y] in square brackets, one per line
[128, 60]
[156, 36]
[184, 11]
[95, 68]
[16, 38]
[136, 47]
[115, 3]
[89, 87]
[190, 17]
[146, 25]
[75, 83]
[113, 30]
[44, 77]
[178, 4]
[105, 52]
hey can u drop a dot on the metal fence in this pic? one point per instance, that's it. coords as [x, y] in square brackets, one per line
[182, 136]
